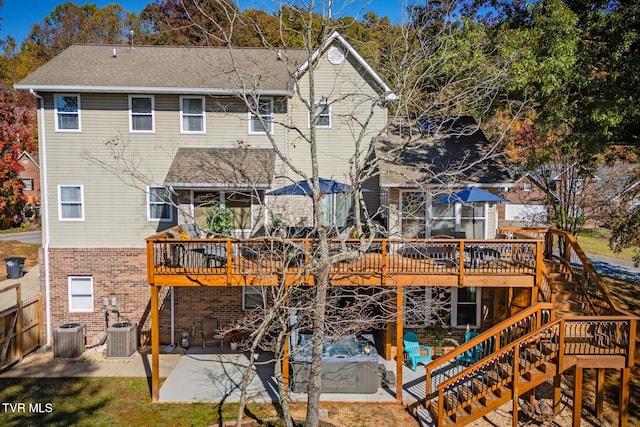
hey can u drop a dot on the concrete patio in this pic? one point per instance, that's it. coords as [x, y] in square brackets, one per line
[205, 376]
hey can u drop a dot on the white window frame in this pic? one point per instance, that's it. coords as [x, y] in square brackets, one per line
[454, 308]
[60, 202]
[73, 294]
[428, 320]
[254, 291]
[527, 186]
[150, 189]
[56, 112]
[402, 216]
[28, 184]
[313, 115]
[184, 115]
[268, 117]
[152, 114]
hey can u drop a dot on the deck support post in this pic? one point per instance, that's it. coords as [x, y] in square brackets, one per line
[577, 396]
[399, 345]
[623, 417]
[515, 391]
[557, 393]
[285, 350]
[155, 345]
[599, 393]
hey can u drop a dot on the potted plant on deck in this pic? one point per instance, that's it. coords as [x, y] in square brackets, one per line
[442, 336]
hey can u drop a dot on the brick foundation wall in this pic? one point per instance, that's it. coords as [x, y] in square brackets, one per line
[121, 273]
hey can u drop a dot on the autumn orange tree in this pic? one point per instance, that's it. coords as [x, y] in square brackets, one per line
[17, 133]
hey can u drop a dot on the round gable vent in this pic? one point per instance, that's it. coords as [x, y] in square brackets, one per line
[335, 55]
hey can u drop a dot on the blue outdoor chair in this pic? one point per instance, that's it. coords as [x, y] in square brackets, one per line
[472, 355]
[412, 348]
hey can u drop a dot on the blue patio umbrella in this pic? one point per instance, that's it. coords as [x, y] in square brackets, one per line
[472, 195]
[301, 188]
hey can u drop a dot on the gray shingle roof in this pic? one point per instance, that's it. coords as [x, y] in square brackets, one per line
[166, 68]
[461, 155]
[221, 168]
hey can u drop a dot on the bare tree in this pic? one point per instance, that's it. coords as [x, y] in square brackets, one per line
[436, 79]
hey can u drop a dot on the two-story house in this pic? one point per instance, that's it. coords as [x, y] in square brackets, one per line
[134, 140]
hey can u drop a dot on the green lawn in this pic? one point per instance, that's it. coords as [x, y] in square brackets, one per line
[104, 402]
[597, 242]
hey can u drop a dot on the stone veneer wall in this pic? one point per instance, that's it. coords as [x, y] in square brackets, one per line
[121, 273]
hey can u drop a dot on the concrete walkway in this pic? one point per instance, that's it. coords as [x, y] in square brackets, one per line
[37, 365]
[30, 288]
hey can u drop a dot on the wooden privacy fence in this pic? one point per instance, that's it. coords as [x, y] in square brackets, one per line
[19, 328]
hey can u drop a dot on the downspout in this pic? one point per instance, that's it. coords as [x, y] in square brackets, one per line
[173, 344]
[44, 212]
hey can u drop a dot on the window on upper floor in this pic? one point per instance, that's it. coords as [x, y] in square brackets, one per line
[265, 111]
[80, 294]
[28, 184]
[67, 110]
[322, 115]
[71, 206]
[158, 204]
[141, 114]
[527, 186]
[192, 114]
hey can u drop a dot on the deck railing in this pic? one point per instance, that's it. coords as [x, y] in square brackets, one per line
[267, 257]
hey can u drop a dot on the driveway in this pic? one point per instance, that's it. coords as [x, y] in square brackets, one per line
[616, 268]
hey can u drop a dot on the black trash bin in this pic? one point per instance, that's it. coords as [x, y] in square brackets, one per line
[15, 267]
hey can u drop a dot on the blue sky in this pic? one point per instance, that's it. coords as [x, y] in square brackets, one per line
[19, 15]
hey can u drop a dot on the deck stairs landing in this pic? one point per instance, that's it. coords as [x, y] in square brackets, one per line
[521, 353]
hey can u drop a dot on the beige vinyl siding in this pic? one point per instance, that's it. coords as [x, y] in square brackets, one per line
[492, 220]
[350, 94]
[115, 211]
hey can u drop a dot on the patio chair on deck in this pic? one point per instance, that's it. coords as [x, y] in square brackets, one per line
[210, 332]
[472, 355]
[413, 350]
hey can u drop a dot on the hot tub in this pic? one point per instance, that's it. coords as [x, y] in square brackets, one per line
[349, 365]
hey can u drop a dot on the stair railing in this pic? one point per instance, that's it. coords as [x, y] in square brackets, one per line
[504, 367]
[562, 246]
[489, 342]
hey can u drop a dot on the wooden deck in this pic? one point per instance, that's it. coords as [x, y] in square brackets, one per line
[386, 262]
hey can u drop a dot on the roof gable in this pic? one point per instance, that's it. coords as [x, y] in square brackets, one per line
[336, 38]
[30, 157]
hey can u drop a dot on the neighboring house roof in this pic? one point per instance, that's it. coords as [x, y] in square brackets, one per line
[33, 159]
[183, 69]
[461, 155]
[221, 168]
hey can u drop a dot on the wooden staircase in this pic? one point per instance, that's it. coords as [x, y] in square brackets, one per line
[567, 295]
[576, 325]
